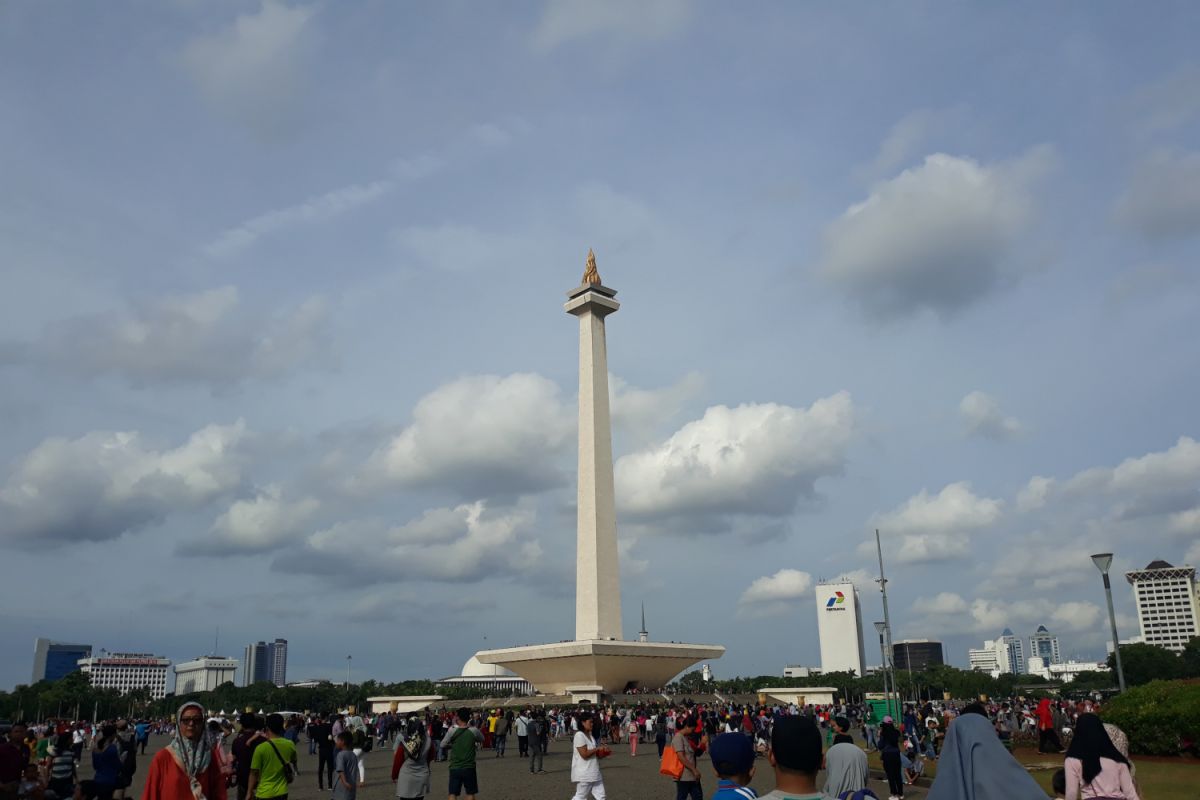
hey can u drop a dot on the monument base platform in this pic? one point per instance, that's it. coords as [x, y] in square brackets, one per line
[596, 665]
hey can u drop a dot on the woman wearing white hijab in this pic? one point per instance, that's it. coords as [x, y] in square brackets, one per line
[975, 766]
[188, 768]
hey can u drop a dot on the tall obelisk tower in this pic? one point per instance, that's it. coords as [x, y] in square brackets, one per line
[597, 575]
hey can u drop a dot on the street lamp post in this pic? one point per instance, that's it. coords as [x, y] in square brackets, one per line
[348, 671]
[880, 627]
[887, 622]
[1103, 561]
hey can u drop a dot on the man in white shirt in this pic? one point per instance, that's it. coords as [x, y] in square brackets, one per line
[523, 733]
[585, 762]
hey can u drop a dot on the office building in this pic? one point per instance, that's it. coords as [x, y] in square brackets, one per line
[54, 660]
[917, 655]
[839, 628]
[1167, 604]
[128, 671]
[204, 674]
[983, 659]
[800, 671]
[265, 662]
[1043, 646]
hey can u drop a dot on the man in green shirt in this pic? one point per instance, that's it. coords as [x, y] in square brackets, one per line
[795, 755]
[461, 741]
[268, 765]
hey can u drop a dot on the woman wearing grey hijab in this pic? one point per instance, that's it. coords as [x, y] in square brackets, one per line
[845, 770]
[188, 768]
[975, 766]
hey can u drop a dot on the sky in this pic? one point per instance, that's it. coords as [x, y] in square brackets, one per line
[283, 353]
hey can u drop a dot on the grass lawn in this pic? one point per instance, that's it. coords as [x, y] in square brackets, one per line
[1157, 779]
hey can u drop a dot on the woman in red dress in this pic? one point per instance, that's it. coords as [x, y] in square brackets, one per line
[190, 767]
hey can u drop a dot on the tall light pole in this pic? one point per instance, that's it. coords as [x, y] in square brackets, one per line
[887, 620]
[348, 671]
[1103, 561]
[880, 627]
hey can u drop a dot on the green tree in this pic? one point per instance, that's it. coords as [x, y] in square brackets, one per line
[1189, 659]
[1146, 662]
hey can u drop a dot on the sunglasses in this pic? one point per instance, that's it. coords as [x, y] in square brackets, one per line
[190, 720]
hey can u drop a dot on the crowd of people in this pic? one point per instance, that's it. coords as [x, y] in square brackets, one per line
[254, 757]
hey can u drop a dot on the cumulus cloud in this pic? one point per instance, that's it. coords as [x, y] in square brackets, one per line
[905, 138]
[255, 525]
[206, 337]
[1163, 198]
[253, 70]
[461, 544]
[943, 603]
[1185, 522]
[981, 415]
[641, 412]
[775, 594]
[1033, 495]
[623, 20]
[480, 435]
[1156, 483]
[955, 615]
[753, 459]
[936, 237]
[936, 527]
[104, 484]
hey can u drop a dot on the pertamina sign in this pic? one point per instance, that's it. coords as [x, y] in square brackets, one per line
[836, 602]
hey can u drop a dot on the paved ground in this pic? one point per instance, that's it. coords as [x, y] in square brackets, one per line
[625, 777]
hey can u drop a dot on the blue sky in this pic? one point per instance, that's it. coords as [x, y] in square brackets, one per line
[282, 347]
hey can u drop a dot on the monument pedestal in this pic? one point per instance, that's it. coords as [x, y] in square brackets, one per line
[599, 665]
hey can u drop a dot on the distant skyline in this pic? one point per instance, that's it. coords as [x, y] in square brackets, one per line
[282, 345]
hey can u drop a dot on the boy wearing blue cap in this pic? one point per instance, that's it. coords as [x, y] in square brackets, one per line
[732, 757]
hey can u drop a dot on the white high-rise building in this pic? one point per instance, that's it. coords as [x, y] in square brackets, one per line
[128, 671]
[1010, 653]
[279, 662]
[839, 628]
[204, 674]
[1168, 606]
[983, 659]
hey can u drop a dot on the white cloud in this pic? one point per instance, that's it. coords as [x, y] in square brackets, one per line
[1034, 494]
[752, 459]
[1185, 522]
[481, 435]
[936, 237]
[104, 484]
[775, 594]
[937, 527]
[982, 416]
[1155, 483]
[321, 208]
[624, 20]
[955, 615]
[943, 603]
[641, 412]
[1163, 199]
[253, 70]
[907, 136]
[256, 525]
[207, 337]
[462, 544]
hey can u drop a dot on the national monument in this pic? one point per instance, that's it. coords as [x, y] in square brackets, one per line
[598, 661]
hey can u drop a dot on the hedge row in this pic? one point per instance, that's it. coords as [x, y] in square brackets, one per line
[1157, 716]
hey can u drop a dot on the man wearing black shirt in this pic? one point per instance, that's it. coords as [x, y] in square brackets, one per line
[321, 732]
[243, 751]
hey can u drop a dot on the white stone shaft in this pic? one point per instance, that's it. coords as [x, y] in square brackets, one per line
[597, 573]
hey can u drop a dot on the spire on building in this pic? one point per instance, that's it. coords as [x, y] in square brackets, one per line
[643, 634]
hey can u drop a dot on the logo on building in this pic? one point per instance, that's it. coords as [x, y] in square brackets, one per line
[836, 599]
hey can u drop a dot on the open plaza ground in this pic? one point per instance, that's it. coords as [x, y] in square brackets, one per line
[637, 778]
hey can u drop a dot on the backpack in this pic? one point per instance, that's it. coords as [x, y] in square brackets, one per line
[536, 727]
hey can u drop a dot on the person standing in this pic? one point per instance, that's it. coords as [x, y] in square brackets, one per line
[410, 765]
[502, 726]
[106, 761]
[461, 741]
[585, 761]
[62, 767]
[1048, 741]
[187, 768]
[249, 738]
[320, 733]
[522, 725]
[688, 786]
[539, 732]
[345, 767]
[795, 755]
[273, 764]
[1094, 765]
[141, 733]
[889, 753]
[635, 733]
